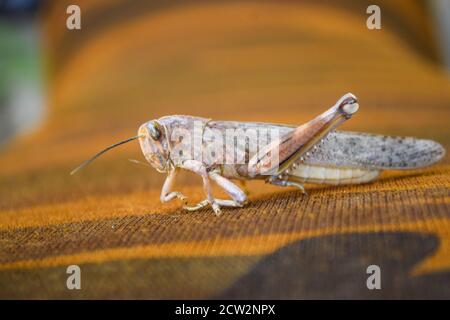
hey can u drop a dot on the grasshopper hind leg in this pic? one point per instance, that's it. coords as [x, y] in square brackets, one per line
[286, 182]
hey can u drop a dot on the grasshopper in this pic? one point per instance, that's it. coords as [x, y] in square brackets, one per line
[311, 153]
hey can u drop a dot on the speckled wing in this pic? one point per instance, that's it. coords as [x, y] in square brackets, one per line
[370, 151]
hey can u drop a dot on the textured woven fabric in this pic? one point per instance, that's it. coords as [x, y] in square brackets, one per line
[280, 62]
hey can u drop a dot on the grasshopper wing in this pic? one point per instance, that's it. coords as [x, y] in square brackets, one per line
[371, 151]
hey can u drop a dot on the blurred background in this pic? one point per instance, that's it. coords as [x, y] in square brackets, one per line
[66, 94]
[21, 68]
[36, 48]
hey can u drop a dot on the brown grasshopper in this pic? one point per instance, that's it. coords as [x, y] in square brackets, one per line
[310, 153]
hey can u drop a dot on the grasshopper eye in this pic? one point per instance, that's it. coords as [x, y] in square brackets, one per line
[154, 131]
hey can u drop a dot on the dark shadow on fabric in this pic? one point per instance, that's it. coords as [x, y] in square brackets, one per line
[335, 266]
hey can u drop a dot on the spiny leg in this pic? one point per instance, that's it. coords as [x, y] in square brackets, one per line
[166, 193]
[286, 183]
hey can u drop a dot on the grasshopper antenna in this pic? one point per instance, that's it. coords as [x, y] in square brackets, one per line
[85, 163]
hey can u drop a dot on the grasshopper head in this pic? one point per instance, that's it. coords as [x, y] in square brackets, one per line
[154, 145]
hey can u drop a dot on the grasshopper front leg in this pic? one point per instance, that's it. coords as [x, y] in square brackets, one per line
[166, 193]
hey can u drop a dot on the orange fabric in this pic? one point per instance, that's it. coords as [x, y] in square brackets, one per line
[265, 61]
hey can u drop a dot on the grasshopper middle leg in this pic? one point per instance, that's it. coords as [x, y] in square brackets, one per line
[200, 169]
[237, 195]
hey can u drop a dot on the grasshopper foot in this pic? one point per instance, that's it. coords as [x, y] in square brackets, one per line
[287, 183]
[196, 207]
[216, 204]
[182, 198]
[216, 208]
